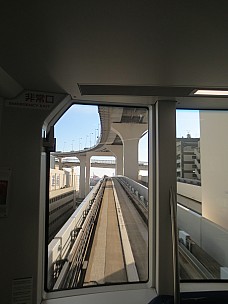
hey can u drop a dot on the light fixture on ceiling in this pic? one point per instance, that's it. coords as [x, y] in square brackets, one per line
[211, 92]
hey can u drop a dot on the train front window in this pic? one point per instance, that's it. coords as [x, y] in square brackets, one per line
[202, 196]
[98, 198]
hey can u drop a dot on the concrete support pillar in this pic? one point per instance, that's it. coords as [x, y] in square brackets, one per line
[60, 163]
[214, 167]
[164, 137]
[130, 134]
[82, 176]
[72, 177]
[117, 150]
[87, 189]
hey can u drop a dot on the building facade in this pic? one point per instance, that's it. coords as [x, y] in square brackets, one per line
[63, 193]
[188, 158]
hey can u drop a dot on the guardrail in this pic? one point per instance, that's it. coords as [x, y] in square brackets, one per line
[96, 161]
[77, 227]
[139, 201]
[140, 190]
[195, 182]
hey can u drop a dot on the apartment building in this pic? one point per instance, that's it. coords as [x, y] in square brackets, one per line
[188, 158]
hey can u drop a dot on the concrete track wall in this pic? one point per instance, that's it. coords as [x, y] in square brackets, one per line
[208, 235]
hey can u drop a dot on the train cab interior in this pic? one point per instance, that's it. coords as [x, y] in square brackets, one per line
[144, 61]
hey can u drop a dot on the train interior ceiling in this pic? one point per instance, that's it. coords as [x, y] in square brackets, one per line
[149, 56]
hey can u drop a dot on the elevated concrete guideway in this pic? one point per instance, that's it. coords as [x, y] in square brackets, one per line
[121, 130]
[104, 241]
[99, 164]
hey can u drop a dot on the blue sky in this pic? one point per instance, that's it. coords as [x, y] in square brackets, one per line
[187, 121]
[79, 128]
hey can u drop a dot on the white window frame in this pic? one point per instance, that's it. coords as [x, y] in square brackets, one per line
[131, 291]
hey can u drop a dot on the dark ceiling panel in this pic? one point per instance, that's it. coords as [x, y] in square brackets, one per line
[86, 89]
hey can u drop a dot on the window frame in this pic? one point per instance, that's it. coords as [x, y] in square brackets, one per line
[156, 285]
[140, 287]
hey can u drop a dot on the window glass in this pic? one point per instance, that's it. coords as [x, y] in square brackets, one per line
[98, 198]
[202, 194]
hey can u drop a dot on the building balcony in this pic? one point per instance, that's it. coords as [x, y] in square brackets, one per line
[197, 153]
[198, 174]
[197, 163]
